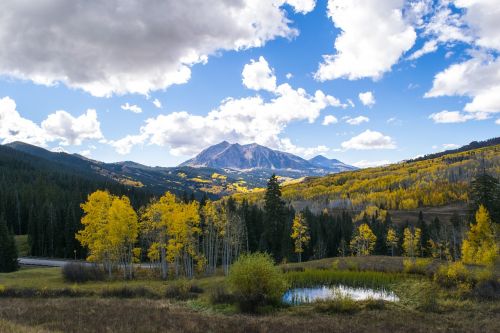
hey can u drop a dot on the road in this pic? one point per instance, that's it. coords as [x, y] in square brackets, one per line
[26, 261]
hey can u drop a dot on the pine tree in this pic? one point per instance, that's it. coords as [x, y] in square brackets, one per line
[275, 218]
[485, 190]
[480, 246]
[8, 249]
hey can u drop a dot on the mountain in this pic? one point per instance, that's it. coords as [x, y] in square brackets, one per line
[321, 161]
[252, 157]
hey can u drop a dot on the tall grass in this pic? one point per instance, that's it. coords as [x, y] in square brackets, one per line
[315, 277]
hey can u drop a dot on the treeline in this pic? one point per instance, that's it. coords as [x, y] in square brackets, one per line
[44, 202]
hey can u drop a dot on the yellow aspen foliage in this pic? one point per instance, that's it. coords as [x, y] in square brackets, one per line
[300, 234]
[363, 241]
[480, 246]
[392, 240]
[94, 235]
[411, 241]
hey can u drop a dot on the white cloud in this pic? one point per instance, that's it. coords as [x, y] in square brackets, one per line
[370, 164]
[289, 76]
[148, 45]
[258, 75]
[157, 103]
[482, 16]
[329, 119]
[374, 35]
[369, 140]
[450, 145]
[350, 103]
[85, 153]
[69, 130]
[13, 127]
[288, 146]
[302, 6]
[59, 126]
[58, 149]
[367, 98]
[357, 120]
[243, 120]
[429, 47]
[449, 117]
[477, 78]
[132, 108]
[497, 121]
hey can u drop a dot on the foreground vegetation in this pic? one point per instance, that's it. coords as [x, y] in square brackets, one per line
[40, 300]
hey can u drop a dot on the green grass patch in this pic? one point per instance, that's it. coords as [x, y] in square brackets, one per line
[315, 277]
[23, 248]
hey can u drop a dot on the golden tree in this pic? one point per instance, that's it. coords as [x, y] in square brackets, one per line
[392, 240]
[110, 230]
[480, 246]
[363, 241]
[411, 241]
[300, 234]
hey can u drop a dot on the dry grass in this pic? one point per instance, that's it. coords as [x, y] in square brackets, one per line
[140, 315]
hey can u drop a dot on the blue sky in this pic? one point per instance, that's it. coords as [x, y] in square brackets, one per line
[428, 70]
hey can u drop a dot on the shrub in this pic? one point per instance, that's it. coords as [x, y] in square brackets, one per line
[127, 292]
[373, 304]
[220, 295]
[182, 290]
[256, 281]
[418, 266]
[419, 295]
[454, 275]
[81, 272]
[338, 304]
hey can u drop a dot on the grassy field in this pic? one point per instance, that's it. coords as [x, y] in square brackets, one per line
[23, 247]
[58, 306]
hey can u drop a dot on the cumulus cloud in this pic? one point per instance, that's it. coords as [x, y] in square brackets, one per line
[367, 98]
[429, 47]
[157, 103]
[477, 78]
[243, 120]
[13, 127]
[149, 45]
[287, 145]
[289, 76]
[329, 119]
[59, 126]
[497, 121]
[369, 164]
[69, 130]
[374, 35]
[357, 120]
[258, 75]
[369, 140]
[131, 108]
[302, 6]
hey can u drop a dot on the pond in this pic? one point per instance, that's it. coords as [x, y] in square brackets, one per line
[309, 295]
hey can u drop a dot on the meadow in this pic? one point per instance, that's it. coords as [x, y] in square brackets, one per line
[40, 300]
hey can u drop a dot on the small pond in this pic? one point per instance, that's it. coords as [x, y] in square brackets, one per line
[309, 295]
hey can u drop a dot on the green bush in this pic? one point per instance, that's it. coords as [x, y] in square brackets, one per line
[82, 272]
[454, 275]
[256, 281]
[338, 304]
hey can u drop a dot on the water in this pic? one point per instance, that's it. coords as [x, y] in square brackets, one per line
[310, 295]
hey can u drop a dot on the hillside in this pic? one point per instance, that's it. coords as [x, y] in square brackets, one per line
[409, 185]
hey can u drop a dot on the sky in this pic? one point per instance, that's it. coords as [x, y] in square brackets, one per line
[155, 82]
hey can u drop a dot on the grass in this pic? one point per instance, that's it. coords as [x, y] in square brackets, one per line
[315, 277]
[23, 247]
[148, 305]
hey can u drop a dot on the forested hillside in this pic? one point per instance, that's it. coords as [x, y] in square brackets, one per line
[42, 198]
[403, 186]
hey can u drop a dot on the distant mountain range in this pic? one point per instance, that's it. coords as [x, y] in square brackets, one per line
[218, 170]
[252, 157]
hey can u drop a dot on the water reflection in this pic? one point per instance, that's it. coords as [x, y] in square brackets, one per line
[309, 295]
